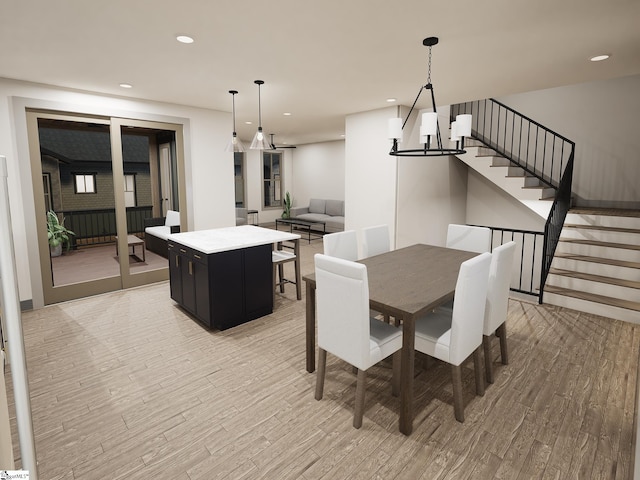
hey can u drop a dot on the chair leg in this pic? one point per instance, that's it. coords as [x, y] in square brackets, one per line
[396, 363]
[273, 276]
[504, 351]
[296, 263]
[281, 276]
[477, 368]
[322, 365]
[458, 403]
[488, 361]
[360, 386]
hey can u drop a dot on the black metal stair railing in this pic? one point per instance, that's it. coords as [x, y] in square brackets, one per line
[539, 151]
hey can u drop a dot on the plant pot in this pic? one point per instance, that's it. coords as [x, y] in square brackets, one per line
[55, 251]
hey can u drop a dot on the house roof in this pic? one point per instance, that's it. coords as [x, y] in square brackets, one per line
[320, 60]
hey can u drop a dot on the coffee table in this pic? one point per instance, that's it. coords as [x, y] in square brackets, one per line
[132, 241]
[303, 225]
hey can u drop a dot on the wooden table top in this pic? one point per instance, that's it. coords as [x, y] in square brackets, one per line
[413, 280]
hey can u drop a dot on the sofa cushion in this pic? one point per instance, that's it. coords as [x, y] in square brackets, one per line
[335, 208]
[316, 205]
[313, 217]
[173, 218]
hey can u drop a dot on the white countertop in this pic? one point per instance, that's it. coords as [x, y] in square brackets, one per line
[230, 238]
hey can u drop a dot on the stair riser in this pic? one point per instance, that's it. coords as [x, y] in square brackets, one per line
[603, 221]
[595, 268]
[601, 235]
[592, 307]
[623, 254]
[597, 288]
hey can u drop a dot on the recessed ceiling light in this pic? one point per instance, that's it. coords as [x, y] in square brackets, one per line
[184, 39]
[599, 58]
[287, 114]
[391, 100]
[248, 123]
[126, 85]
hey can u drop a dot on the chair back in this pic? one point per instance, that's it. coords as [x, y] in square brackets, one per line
[375, 240]
[342, 300]
[471, 239]
[498, 287]
[467, 319]
[341, 245]
[172, 219]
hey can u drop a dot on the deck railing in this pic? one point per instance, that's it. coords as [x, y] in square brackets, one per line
[541, 153]
[96, 227]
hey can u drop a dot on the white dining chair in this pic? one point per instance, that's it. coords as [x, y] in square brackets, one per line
[341, 245]
[375, 240]
[495, 314]
[454, 335]
[345, 328]
[471, 239]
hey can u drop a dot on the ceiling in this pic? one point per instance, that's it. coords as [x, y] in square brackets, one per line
[320, 60]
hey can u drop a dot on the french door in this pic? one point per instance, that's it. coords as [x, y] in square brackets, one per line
[106, 180]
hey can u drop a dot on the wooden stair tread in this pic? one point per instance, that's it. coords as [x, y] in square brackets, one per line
[595, 278]
[601, 244]
[601, 228]
[606, 261]
[613, 212]
[591, 297]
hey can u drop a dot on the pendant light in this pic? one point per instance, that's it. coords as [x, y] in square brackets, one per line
[429, 131]
[259, 141]
[234, 145]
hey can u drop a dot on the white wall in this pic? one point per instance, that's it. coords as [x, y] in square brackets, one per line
[488, 205]
[370, 172]
[318, 172]
[209, 170]
[601, 118]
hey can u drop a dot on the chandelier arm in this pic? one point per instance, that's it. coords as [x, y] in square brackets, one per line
[433, 103]
[412, 106]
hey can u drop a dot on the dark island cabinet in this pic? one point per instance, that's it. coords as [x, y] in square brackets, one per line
[222, 289]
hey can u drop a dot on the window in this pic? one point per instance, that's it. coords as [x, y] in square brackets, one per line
[46, 185]
[238, 166]
[85, 182]
[129, 190]
[272, 179]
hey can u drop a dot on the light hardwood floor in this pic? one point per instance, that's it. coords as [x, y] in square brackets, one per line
[127, 386]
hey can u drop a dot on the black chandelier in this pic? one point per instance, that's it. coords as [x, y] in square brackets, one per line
[429, 130]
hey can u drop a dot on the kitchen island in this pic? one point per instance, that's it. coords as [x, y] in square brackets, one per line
[223, 276]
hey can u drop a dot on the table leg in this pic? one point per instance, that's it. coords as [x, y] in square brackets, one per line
[311, 327]
[406, 381]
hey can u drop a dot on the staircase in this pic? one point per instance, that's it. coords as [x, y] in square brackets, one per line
[596, 267]
[514, 180]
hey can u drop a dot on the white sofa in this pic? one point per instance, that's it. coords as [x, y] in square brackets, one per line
[158, 230]
[320, 210]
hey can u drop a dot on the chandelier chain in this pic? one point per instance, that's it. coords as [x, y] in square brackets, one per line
[429, 70]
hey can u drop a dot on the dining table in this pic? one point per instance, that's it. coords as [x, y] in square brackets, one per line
[406, 284]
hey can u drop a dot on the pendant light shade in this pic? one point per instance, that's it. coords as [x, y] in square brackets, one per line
[260, 141]
[234, 145]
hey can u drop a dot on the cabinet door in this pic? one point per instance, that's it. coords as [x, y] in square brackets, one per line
[202, 293]
[227, 288]
[188, 283]
[258, 281]
[175, 273]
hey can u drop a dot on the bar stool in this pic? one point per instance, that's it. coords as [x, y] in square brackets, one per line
[278, 258]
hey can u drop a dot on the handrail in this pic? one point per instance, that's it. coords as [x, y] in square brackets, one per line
[537, 149]
[502, 129]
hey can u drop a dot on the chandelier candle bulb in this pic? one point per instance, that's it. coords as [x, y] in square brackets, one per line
[430, 123]
[395, 129]
[454, 132]
[463, 125]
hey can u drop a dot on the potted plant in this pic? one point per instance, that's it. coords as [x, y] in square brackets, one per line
[286, 213]
[57, 234]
